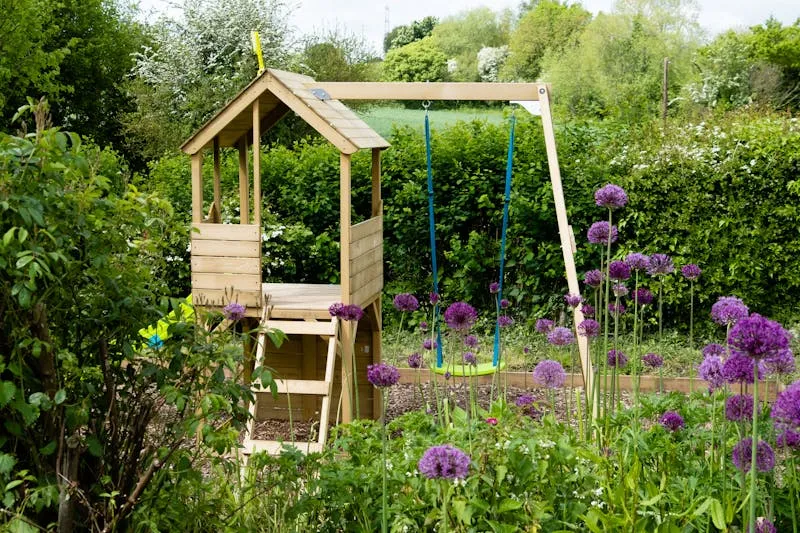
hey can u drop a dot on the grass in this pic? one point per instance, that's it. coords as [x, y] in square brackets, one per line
[383, 118]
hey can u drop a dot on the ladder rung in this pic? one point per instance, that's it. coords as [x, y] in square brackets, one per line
[274, 447]
[301, 327]
[299, 386]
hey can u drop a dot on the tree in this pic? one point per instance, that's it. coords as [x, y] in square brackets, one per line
[336, 56]
[776, 50]
[490, 61]
[408, 33]
[461, 37]
[725, 67]
[418, 61]
[549, 26]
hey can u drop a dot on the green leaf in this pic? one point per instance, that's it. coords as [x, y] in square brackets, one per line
[717, 515]
[60, 396]
[49, 449]
[13, 484]
[94, 446]
[7, 392]
[509, 505]
[7, 463]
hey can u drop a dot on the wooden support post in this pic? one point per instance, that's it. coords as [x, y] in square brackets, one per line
[309, 371]
[244, 186]
[565, 233]
[377, 327]
[377, 203]
[197, 187]
[347, 333]
[257, 163]
[217, 181]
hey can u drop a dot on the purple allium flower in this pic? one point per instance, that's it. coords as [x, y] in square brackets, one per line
[728, 310]
[739, 407]
[617, 359]
[405, 302]
[589, 328]
[660, 264]
[543, 325]
[653, 360]
[710, 370]
[742, 455]
[429, 344]
[573, 300]
[637, 261]
[782, 363]
[786, 409]
[434, 298]
[593, 278]
[470, 341]
[788, 439]
[560, 336]
[714, 349]
[587, 310]
[351, 313]
[550, 374]
[764, 525]
[447, 375]
[643, 296]
[460, 315]
[504, 321]
[423, 326]
[620, 290]
[383, 375]
[444, 462]
[691, 271]
[415, 360]
[611, 196]
[524, 400]
[470, 359]
[233, 311]
[738, 368]
[504, 304]
[494, 287]
[598, 233]
[336, 309]
[616, 309]
[758, 337]
[527, 405]
[526, 350]
[619, 270]
[672, 421]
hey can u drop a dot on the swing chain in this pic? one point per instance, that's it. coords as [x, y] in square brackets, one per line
[426, 104]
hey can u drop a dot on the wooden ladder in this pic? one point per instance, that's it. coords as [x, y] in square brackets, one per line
[324, 388]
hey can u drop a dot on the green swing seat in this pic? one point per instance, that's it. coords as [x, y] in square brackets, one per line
[482, 369]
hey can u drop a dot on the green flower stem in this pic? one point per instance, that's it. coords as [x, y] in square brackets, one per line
[793, 493]
[660, 310]
[605, 314]
[445, 497]
[384, 510]
[691, 315]
[753, 452]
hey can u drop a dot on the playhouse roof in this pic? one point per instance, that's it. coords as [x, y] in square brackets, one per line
[278, 92]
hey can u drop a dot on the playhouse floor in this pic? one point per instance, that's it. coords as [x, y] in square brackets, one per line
[301, 300]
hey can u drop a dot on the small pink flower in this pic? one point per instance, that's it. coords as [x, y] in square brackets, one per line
[491, 421]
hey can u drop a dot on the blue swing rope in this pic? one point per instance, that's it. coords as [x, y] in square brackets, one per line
[432, 227]
[509, 161]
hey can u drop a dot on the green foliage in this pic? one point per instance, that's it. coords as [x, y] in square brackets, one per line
[777, 47]
[405, 34]
[549, 26]
[419, 61]
[725, 68]
[336, 56]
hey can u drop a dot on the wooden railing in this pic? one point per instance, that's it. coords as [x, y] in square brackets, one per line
[366, 260]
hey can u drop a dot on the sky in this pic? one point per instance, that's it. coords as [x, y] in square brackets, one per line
[368, 17]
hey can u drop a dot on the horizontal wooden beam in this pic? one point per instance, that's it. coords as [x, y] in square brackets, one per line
[498, 92]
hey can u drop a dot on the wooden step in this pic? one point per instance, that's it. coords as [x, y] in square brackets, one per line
[274, 447]
[301, 327]
[299, 386]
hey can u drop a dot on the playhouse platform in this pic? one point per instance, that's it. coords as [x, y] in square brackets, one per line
[301, 300]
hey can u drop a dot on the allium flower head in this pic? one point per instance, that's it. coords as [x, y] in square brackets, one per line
[444, 462]
[742, 455]
[739, 368]
[714, 349]
[611, 196]
[786, 409]
[758, 337]
[526, 350]
[739, 407]
[781, 364]
[382, 375]
[710, 370]
[653, 360]
[637, 261]
[587, 310]
[573, 300]
[660, 264]
[672, 421]
[352, 313]
[617, 309]
[788, 439]
[504, 321]
[470, 359]
[233, 311]
[460, 315]
[560, 336]
[447, 375]
[617, 359]
[691, 271]
[728, 310]
[620, 290]
[405, 302]
[527, 404]
[543, 325]
[619, 270]
[434, 298]
[764, 525]
[494, 287]
[504, 303]
[549, 374]
[423, 326]
[593, 278]
[643, 296]
[470, 341]
[589, 328]
[429, 344]
[415, 360]
[598, 233]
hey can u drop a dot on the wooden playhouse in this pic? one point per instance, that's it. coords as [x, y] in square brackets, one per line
[317, 359]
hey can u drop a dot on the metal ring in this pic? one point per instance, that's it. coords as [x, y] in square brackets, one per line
[426, 104]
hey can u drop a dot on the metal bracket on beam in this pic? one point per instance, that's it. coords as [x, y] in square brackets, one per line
[531, 106]
[321, 94]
